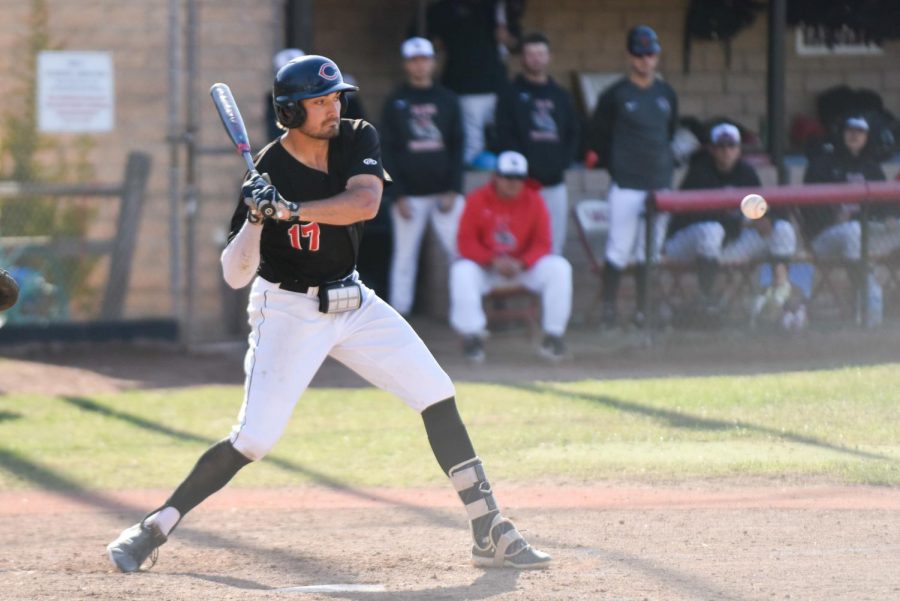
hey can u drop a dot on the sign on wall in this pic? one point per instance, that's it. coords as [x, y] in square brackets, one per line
[75, 92]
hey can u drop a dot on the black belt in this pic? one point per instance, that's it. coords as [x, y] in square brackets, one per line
[290, 286]
[297, 286]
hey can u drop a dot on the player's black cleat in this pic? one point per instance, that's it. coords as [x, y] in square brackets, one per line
[508, 549]
[135, 545]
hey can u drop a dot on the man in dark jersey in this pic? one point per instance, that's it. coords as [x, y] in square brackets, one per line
[422, 137]
[709, 238]
[536, 117]
[630, 134]
[322, 179]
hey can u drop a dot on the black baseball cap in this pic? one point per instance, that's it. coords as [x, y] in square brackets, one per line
[642, 41]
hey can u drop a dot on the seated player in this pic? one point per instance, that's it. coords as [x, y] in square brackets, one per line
[504, 239]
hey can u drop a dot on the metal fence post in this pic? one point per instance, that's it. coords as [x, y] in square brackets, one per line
[649, 223]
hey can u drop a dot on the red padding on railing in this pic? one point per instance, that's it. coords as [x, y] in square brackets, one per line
[811, 194]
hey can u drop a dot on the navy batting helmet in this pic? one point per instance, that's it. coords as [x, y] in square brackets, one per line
[307, 76]
[641, 41]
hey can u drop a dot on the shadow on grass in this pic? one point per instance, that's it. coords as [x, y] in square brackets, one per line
[677, 419]
[319, 478]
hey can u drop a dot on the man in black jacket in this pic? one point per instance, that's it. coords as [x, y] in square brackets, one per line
[536, 117]
[714, 237]
[833, 230]
[422, 142]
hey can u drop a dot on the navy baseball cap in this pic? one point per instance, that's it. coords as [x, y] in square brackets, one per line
[642, 41]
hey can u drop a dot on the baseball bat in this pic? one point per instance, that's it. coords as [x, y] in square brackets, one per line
[232, 120]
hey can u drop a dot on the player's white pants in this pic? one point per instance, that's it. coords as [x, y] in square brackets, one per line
[883, 239]
[750, 245]
[841, 241]
[702, 239]
[408, 235]
[477, 111]
[557, 200]
[625, 242]
[289, 340]
[551, 277]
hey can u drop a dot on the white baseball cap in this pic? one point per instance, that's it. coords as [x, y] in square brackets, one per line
[283, 57]
[512, 164]
[856, 122]
[725, 133]
[414, 47]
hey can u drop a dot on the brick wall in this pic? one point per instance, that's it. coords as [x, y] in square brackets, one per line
[364, 36]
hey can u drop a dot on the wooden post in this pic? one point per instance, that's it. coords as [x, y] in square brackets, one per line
[137, 171]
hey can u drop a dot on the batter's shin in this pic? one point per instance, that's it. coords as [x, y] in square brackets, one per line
[447, 434]
[213, 470]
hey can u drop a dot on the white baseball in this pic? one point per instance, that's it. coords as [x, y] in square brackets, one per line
[754, 206]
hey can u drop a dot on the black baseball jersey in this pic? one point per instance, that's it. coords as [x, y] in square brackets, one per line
[837, 165]
[539, 121]
[309, 253]
[422, 139]
[631, 131]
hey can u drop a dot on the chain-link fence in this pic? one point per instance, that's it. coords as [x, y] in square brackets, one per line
[71, 248]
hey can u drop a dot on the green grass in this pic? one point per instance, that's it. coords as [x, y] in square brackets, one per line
[840, 424]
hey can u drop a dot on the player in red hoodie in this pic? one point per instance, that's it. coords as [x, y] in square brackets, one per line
[504, 239]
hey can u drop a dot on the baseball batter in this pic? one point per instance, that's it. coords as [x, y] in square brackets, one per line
[306, 303]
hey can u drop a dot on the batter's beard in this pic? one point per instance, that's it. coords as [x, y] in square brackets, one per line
[325, 133]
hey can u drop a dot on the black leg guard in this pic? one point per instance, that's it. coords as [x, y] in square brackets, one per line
[447, 434]
[212, 471]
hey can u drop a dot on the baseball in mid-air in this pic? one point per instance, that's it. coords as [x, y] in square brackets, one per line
[754, 206]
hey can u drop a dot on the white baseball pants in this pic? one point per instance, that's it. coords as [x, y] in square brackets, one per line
[477, 111]
[408, 234]
[702, 239]
[551, 277]
[841, 241]
[625, 242]
[289, 340]
[750, 245]
[556, 198]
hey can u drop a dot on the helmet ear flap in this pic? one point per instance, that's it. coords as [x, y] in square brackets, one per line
[290, 114]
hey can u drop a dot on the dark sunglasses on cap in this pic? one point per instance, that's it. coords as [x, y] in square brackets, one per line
[643, 54]
[516, 177]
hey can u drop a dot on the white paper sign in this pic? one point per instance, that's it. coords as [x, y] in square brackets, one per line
[75, 92]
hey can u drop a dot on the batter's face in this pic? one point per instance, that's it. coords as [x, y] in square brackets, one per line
[535, 59]
[508, 187]
[643, 65]
[323, 116]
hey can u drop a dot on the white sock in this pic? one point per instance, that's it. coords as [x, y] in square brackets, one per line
[165, 518]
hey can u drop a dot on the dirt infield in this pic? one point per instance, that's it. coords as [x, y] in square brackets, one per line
[692, 542]
[720, 540]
